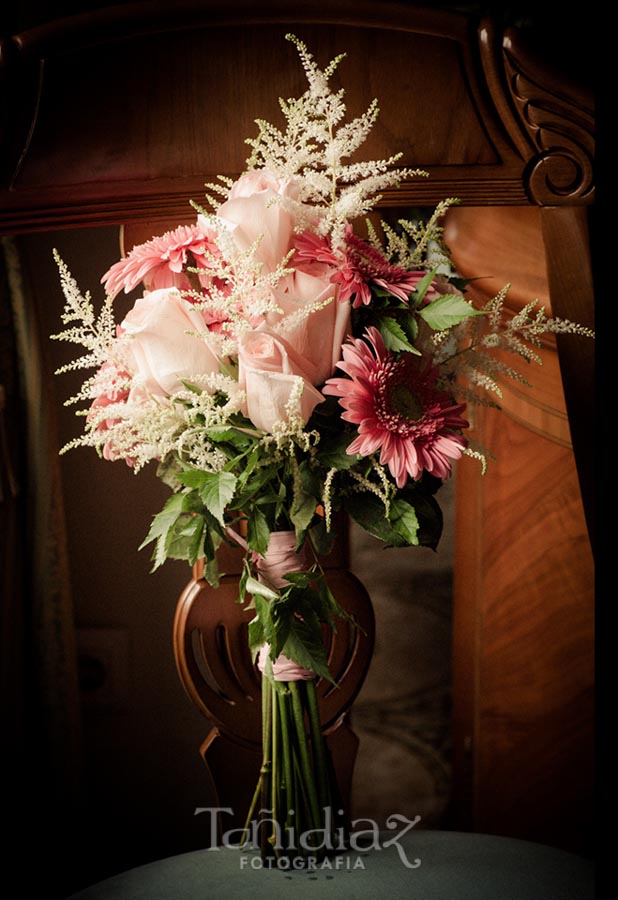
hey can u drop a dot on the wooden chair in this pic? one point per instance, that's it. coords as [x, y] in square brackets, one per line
[494, 126]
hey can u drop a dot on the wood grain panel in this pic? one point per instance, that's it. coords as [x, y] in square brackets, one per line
[527, 643]
[177, 105]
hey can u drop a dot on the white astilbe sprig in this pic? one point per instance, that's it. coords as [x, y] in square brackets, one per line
[410, 246]
[384, 491]
[96, 333]
[240, 291]
[467, 351]
[327, 498]
[134, 431]
[315, 146]
[480, 456]
[152, 428]
[291, 430]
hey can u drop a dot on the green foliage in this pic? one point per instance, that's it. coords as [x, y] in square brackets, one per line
[418, 295]
[216, 489]
[403, 519]
[395, 338]
[290, 620]
[258, 531]
[413, 518]
[448, 310]
[370, 513]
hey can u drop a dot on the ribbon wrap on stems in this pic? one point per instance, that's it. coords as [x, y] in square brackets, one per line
[281, 558]
[296, 787]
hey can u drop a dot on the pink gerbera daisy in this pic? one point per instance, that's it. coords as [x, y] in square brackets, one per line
[357, 267]
[370, 265]
[398, 409]
[159, 262]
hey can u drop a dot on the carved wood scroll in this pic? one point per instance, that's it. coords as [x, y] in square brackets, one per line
[123, 113]
[550, 121]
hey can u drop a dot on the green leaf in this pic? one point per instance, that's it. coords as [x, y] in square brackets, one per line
[184, 538]
[404, 521]
[216, 490]
[333, 452]
[331, 606]
[192, 502]
[161, 524]
[417, 296]
[430, 518]
[260, 627]
[194, 388]
[242, 584]
[255, 587]
[395, 337]
[368, 511]
[222, 434]
[322, 539]
[409, 324]
[258, 532]
[302, 512]
[301, 579]
[305, 646]
[168, 471]
[193, 478]
[252, 487]
[448, 310]
[211, 572]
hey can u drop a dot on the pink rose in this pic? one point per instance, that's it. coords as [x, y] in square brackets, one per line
[254, 211]
[318, 337]
[269, 372]
[162, 353]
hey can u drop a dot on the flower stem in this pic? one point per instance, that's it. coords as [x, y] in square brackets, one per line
[317, 742]
[287, 758]
[256, 795]
[275, 776]
[266, 764]
[305, 761]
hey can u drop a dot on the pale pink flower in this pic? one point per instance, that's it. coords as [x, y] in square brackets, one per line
[269, 371]
[399, 410]
[262, 180]
[256, 217]
[164, 347]
[159, 262]
[318, 336]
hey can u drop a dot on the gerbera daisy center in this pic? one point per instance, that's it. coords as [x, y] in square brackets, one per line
[404, 402]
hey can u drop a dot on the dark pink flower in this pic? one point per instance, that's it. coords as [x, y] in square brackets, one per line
[398, 409]
[357, 267]
[310, 247]
[371, 266]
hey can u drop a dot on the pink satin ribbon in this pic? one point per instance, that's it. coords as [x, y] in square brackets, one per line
[281, 558]
[283, 669]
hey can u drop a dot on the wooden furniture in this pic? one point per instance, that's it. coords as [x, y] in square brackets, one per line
[441, 866]
[524, 578]
[122, 114]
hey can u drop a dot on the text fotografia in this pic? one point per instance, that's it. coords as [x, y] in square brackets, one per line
[312, 848]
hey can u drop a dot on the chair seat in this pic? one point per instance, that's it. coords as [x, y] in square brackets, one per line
[427, 864]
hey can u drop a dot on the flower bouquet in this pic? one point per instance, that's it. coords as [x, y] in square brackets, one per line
[293, 357]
